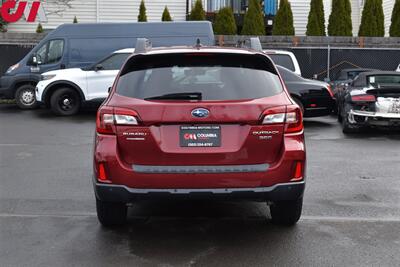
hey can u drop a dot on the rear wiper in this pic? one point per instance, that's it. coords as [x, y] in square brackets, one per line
[177, 96]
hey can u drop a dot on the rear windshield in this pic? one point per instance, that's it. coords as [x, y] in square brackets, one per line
[283, 60]
[213, 76]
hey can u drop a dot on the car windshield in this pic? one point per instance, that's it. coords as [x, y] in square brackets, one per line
[199, 77]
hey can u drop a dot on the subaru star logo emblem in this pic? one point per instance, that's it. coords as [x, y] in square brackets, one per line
[200, 113]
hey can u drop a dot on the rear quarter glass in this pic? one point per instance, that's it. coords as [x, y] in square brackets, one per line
[216, 76]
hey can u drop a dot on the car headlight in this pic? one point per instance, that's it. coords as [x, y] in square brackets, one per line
[12, 68]
[48, 77]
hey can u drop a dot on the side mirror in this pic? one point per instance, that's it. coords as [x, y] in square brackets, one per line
[36, 60]
[98, 67]
[109, 89]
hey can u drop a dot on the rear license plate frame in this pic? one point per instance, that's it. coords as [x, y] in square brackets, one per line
[200, 136]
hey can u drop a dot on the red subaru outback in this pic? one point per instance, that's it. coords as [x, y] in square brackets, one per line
[199, 122]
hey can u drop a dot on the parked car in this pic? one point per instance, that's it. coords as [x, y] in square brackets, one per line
[315, 98]
[80, 45]
[199, 122]
[345, 77]
[65, 91]
[285, 59]
[371, 100]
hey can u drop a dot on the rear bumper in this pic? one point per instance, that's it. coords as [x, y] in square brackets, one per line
[318, 106]
[277, 192]
[374, 118]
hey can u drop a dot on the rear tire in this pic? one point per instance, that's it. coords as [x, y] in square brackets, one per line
[286, 213]
[111, 214]
[347, 127]
[25, 97]
[65, 102]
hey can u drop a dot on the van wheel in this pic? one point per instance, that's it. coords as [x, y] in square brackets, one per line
[25, 97]
[286, 213]
[111, 214]
[65, 102]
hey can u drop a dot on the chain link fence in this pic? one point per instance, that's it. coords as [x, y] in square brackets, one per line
[314, 62]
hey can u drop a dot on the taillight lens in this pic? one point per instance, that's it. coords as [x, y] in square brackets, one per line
[363, 98]
[291, 116]
[294, 119]
[108, 118]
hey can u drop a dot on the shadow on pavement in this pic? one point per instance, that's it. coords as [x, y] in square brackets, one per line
[178, 232]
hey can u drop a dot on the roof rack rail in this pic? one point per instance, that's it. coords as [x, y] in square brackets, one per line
[143, 45]
[252, 43]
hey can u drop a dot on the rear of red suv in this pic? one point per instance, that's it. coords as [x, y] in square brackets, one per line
[199, 123]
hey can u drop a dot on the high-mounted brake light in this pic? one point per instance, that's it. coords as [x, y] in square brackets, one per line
[291, 116]
[363, 98]
[108, 118]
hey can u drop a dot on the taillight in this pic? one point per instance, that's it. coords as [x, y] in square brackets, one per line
[329, 88]
[363, 98]
[294, 119]
[108, 118]
[291, 116]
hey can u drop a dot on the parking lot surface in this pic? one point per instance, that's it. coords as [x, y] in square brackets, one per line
[351, 214]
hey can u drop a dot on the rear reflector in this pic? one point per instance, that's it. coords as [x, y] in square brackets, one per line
[363, 98]
[298, 171]
[108, 118]
[102, 175]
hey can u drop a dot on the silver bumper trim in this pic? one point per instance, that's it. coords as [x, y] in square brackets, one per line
[370, 114]
[203, 190]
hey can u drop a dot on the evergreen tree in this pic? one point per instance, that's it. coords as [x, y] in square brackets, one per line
[225, 22]
[165, 15]
[372, 20]
[348, 22]
[254, 19]
[75, 20]
[198, 12]
[316, 19]
[39, 28]
[313, 28]
[283, 22]
[340, 19]
[395, 23]
[380, 18]
[142, 17]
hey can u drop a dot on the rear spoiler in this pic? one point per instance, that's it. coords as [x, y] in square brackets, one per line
[384, 90]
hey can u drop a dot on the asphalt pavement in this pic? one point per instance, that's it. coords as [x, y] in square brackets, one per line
[351, 213]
